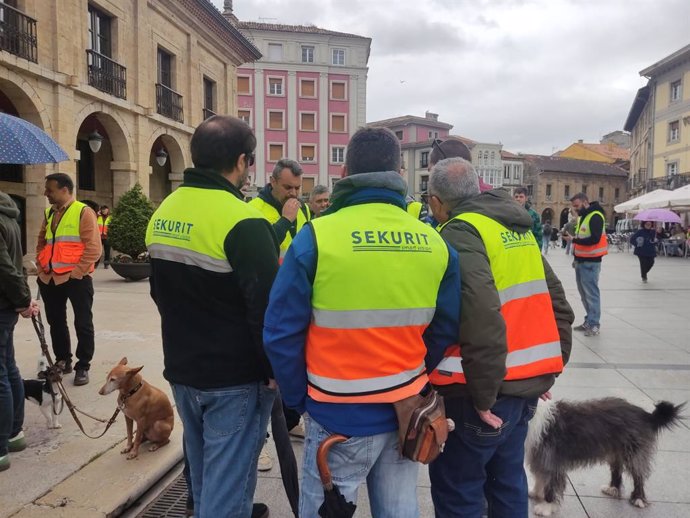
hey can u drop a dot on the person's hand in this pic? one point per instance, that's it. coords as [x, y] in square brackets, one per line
[31, 311]
[290, 209]
[567, 237]
[272, 384]
[490, 418]
[546, 396]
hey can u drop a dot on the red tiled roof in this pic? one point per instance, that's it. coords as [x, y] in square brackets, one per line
[507, 155]
[609, 150]
[409, 119]
[558, 164]
[304, 29]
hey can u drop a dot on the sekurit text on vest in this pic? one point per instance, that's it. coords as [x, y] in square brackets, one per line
[172, 229]
[512, 239]
[389, 241]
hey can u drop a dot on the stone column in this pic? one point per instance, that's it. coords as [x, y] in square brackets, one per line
[124, 178]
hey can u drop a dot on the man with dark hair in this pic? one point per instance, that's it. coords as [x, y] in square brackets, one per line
[213, 260]
[69, 245]
[279, 202]
[521, 195]
[354, 313]
[318, 200]
[589, 246]
[15, 297]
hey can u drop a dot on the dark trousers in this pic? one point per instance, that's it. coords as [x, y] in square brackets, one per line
[480, 463]
[292, 417]
[80, 294]
[106, 251]
[11, 385]
[646, 264]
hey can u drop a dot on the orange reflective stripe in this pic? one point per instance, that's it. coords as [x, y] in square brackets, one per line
[386, 395]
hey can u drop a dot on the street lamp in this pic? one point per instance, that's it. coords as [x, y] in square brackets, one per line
[161, 157]
[95, 140]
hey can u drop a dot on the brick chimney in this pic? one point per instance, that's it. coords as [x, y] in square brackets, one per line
[432, 116]
[579, 141]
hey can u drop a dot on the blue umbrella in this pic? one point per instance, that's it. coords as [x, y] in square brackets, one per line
[23, 143]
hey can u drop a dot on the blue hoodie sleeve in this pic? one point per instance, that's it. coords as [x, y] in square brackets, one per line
[288, 317]
[443, 329]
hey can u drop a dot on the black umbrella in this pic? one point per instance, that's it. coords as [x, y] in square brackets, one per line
[286, 455]
[334, 504]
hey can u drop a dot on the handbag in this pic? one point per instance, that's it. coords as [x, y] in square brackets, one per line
[422, 426]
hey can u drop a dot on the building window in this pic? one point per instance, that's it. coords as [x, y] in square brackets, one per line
[307, 54]
[671, 168]
[530, 190]
[338, 91]
[584, 189]
[337, 154]
[100, 35]
[275, 152]
[424, 159]
[209, 98]
[517, 172]
[307, 121]
[276, 120]
[601, 194]
[424, 182]
[275, 52]
[165, 67]
[168, 101]
[674, 131]
[506, 172]
[308, 152]
[307, 88]
[399, 134]
[676, 90]
[86, 173]
[275, 86]
[12, 173]
[493, 157]
[244, 85]
[548, 191]
[245, 115]
[338, 123]
[566, 192]
[617, 194]
[433, 135]
[338, 57]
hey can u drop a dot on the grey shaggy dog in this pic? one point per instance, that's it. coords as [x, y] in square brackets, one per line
[565, 435]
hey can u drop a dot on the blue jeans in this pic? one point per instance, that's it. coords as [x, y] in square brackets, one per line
[11, 384]
[390, 478]
[224, 430]
[587, 278]
[481, 463]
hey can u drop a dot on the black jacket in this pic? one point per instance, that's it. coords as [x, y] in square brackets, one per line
[596, 228]
[212, 323]
[14, 290]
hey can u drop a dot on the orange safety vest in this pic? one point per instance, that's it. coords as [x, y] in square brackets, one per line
[532, 338]
[364, 343]
[64, 248]
[583, 230]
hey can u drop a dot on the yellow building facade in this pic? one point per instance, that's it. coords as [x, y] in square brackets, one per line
[608, 153]
[139, 74]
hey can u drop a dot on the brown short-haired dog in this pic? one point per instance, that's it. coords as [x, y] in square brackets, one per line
[143, 403]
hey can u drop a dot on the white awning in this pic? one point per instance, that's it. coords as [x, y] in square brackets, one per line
[634, 204]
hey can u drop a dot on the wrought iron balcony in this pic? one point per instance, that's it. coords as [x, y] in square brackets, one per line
[169, 103]
[18, 33]
[669, 182]
[106, 75]
[208, 113]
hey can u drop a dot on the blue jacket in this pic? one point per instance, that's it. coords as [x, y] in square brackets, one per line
[644, 241]
[289, 314]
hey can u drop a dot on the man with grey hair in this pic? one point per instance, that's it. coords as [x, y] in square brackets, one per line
[515, 337]
[318, 200]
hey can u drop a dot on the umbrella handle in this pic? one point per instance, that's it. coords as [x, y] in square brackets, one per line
[322, 458]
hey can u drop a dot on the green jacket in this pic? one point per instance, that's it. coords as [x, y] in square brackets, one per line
[537, 228]
[482, 328]
[14, 290]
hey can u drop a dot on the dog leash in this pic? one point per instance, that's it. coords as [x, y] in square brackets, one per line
[40, 331]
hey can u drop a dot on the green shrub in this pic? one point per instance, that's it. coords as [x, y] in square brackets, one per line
[127, 231]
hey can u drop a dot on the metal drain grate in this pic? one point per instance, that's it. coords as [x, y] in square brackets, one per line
[171, 503]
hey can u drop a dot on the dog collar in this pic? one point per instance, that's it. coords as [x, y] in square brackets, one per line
[130, 394]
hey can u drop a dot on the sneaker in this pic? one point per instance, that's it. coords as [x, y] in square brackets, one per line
[265, 460]
[592, 331]
[298, 430]
[67, 369]
[17, 443]
[644, 280]
[5, 462]
[582, 327]
[81, 377]
[260, 511]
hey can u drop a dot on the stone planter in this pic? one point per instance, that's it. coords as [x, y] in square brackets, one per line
[132, 271]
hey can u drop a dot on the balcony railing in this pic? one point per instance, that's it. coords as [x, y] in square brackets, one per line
[208, 113]
[106, 75]
[169, 103]
[669, 182]
[18, 33]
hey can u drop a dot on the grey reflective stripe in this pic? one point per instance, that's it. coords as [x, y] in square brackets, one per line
[282, 253]
[364, 318]
[62, 265]
[67, 239]
[534, 354]
[522, 290]
[365, 385]
[190, 257]
[514, 359]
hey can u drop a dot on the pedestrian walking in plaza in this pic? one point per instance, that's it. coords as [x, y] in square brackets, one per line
[589, 246]
[546, 237]
[15, 298]
[68, 247]
[360, 301]
[104, 219]
[213, 260]
[515, 336]
[644, 243]
[521, 196]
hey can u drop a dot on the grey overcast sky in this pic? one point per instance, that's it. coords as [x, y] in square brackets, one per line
[535, 75]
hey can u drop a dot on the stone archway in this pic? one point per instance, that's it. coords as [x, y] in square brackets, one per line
[565, 216]
[166, 178]
[547, 215]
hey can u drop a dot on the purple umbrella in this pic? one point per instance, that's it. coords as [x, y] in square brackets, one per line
[658, 215]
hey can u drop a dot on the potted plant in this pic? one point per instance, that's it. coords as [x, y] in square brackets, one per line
[127, 234]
